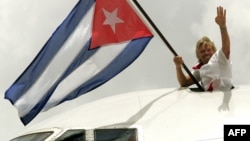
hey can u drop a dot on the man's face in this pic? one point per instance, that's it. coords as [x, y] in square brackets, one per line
[205, 52]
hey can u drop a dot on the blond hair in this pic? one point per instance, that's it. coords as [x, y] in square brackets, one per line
[204, 40]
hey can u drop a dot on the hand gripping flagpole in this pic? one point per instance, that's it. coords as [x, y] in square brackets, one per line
[167, 43]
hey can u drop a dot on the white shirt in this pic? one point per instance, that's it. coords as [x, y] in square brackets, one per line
[217, 71]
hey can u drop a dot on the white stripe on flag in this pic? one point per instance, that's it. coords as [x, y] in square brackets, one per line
[57, 66]
[104, 56]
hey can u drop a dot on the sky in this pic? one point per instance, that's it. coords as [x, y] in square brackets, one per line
[25, 26]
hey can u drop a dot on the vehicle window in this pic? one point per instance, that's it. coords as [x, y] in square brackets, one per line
[115, 134]
[41, 136]
[73, 135]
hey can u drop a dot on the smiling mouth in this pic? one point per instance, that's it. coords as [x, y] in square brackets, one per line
[206, 59]
[208, 56]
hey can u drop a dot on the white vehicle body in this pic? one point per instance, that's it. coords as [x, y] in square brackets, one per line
[169, 114]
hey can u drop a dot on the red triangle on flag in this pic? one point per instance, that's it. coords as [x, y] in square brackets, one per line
[115, 21]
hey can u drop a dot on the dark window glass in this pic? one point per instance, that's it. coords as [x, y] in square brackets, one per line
[34, 137]
[73, 135]
[116, 134]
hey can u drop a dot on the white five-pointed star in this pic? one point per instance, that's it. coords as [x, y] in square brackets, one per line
[111, 19]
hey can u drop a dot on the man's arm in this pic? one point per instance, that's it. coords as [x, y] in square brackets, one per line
[221, 21]
[183, 80]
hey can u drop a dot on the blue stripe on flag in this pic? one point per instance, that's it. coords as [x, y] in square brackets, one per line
[126, 57]
[39, 106]
[34, 70]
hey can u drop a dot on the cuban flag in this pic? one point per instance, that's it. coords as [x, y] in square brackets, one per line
[96, 41]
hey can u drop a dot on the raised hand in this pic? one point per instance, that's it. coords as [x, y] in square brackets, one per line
[220, 19]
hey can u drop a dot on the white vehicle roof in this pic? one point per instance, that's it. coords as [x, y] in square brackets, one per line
[157, 115]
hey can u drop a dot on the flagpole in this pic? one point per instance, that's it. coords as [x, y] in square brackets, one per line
[166, 42]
